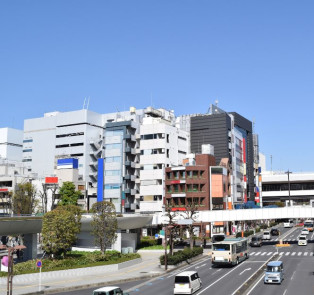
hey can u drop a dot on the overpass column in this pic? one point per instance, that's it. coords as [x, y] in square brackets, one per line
[30, 241]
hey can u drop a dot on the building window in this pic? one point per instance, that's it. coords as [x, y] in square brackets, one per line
[113, 146]
[176, 174]
[27, 160]
[27, 140]
[176, 188]
[27, 150]
[112, 186]
[190, 174]
[113, 160]
[112, 172]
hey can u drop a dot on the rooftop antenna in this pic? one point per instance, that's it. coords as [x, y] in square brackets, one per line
[271, 163]
[253, 124]
[87, 103]
[216, 102]
[84, 103]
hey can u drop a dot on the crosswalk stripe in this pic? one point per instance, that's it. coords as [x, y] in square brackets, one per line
[299, 253]
[305, 253]
[264, 253]
[258, 253]
[293, 253]
[252, 253]
[287, 253]
[311, 254]
[269, 253]
[281, 253]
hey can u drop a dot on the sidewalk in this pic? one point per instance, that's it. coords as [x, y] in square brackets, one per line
[57, 281]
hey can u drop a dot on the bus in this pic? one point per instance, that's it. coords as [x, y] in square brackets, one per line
[288, 223]
[230, 251]
[309, 224]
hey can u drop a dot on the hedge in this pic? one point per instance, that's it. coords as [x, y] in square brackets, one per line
[181, 255]
[246, 233]
[75, 259]
[148, 242]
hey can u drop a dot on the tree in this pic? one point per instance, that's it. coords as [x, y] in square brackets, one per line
[68, 194]
[24, 199]
[191, 213]
[171, 226]
[104, 224]
[60, 229]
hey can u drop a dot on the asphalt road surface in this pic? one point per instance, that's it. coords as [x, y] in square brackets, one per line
[298, 266]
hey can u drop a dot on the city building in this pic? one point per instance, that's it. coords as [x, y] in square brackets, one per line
[162, 145]
[231, 135]
[280, 187]
[11, 144]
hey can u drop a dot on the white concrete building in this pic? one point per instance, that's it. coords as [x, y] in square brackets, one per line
[162, 145]
[11, 144]
[77, 134]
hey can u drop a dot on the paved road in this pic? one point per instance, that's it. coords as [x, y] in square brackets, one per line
[298, 260]
[227, 280]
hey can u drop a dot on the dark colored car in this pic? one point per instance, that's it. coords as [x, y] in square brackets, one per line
[274, 232]
[256, 241]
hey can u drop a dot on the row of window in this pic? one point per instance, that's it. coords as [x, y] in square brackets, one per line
[113, 159]
[27, 150]
[69, 145]
[184, 174]
[69, 134]
[178, 188]
[27, 160]
[285, 186]
[112, 172]
[113, 146]
[114, 133]
[27, 140]
[178, 202]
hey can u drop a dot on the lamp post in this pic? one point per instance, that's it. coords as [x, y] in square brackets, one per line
[11, 251]
[288, 172]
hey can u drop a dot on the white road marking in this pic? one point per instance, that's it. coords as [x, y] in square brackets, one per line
[284, 293]
[293, 253]
[281, 253]
[287, 253]
[264, 253]
[299, 253]
[292, 275]
[221, 278]
[252, 253]
[311, 254]
[305, 253]
[244, 271]
[269, 253]
[258, 253]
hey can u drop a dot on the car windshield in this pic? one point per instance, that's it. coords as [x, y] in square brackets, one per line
[302, 238]
[181, 279]
[255, 239]
[221, 247]
[272, 268]
[266, 233]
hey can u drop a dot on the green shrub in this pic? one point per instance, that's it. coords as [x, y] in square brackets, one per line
[257, 230]
[148, 242]
[246, 233]
[263, 226]
[181, 255]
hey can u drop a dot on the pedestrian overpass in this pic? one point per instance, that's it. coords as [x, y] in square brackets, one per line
[246, 214]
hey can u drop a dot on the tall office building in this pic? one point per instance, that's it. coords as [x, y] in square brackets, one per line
[11, 144]
[231, 136]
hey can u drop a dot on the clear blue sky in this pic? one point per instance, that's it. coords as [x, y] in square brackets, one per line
[255, 57]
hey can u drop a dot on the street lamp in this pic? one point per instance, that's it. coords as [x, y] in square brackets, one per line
[288, 172]
[11, 251]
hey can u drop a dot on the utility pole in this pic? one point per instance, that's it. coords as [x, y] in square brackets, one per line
[288, 172]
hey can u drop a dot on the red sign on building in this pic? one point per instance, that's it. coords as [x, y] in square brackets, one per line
[51, 180]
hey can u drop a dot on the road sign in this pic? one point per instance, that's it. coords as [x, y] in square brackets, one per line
[39, 263]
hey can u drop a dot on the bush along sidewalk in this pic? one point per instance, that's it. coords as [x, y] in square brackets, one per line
[181, 255]
[74, 259]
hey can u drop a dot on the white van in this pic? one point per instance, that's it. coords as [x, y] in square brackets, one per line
[266, 235]
[187, 282]
[110, 290]
[288, 223]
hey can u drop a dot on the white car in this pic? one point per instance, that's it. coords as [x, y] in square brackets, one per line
[266, 235]
[302, 241]
[305, 231]
[110, 290]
